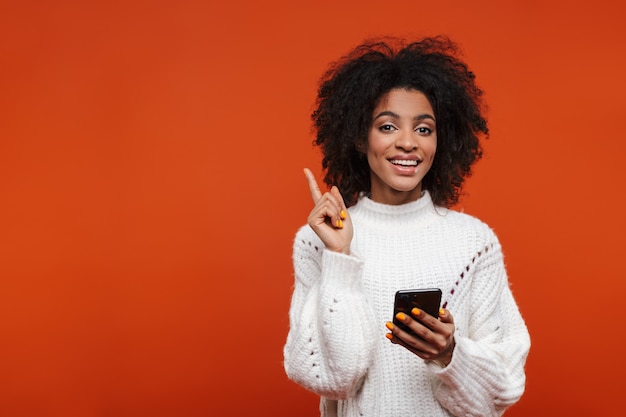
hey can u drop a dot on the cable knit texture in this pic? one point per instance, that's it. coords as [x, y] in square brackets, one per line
[336, 346]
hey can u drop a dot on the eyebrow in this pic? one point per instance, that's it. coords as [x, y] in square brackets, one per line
[418, 118]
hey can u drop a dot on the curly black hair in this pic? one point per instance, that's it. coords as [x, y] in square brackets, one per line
[352, 87]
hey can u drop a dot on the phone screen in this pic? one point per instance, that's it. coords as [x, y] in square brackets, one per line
[428, 300]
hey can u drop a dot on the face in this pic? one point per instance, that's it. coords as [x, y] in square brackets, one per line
[401, 146]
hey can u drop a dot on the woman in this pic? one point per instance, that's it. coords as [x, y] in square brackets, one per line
[399, 127]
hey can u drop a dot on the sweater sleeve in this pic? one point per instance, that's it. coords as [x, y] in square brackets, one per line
[331, 336]
[486, 374]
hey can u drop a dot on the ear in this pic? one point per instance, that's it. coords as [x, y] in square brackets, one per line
[361, 147]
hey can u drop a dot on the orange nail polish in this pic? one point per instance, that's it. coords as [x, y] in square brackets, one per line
[389, 336]
[442, 312]
[343, 214]
[416, 311]
[400, 316]
[340, 223]
[389, 325]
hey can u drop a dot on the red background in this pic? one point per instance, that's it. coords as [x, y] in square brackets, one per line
[151, 159]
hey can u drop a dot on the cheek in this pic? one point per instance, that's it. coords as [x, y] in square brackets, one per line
[430, 148]
[375, 147]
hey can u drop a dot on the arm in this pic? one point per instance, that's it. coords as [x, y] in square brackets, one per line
[486, 374]
[332, 331]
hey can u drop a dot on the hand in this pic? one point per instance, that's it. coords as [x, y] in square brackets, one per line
[329, 218]
[435, 337]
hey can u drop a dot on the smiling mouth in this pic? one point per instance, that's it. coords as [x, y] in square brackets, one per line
[405, 162]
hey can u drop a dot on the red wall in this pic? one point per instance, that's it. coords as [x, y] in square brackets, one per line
[151, 159]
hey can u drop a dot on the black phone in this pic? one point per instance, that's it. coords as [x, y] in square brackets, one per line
[427, 299]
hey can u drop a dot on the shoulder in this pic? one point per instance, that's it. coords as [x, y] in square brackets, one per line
[467, 226]
[466, 220]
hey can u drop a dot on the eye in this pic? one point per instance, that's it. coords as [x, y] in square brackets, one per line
[424, 131]
[387, 128]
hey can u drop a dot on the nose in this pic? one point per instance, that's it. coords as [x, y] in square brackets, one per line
[406, 141]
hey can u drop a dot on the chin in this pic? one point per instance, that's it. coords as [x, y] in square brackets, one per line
[403, 188]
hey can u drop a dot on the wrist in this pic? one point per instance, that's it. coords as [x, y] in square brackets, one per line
[439, 363]
[445, 358]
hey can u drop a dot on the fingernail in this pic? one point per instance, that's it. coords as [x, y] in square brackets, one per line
[416, 311]
[400, 316]
[340, 224]
[389, 336]
[389, 325]
[442, 312]
[343, 214]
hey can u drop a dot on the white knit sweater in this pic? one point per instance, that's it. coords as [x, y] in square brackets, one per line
[336, 344]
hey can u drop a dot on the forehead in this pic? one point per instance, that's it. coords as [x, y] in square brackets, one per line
[408, 100]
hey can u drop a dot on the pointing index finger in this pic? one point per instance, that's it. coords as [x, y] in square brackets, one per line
[316, 194]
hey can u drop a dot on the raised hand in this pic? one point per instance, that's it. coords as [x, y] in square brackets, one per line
[329, 218]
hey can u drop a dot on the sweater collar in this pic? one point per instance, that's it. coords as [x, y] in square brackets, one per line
[409, 215]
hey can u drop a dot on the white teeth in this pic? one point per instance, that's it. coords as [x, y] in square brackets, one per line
[405, 162]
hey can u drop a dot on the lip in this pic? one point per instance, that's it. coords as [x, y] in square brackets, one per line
[404, 157]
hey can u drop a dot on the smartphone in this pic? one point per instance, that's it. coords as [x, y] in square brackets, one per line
[428, 300]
